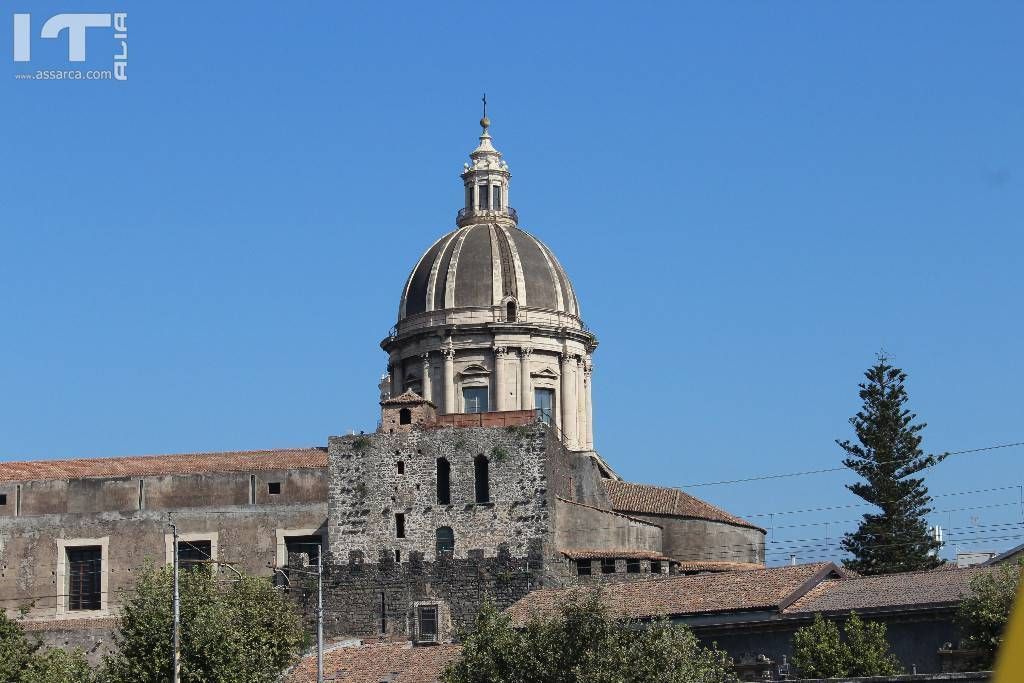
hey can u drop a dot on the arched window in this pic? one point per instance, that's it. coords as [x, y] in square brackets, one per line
[444, 482]
[445, 541]
[510, 312]
[404, 416]
[482, 477]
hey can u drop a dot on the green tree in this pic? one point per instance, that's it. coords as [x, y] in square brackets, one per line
[983, 613]
[887, 455]
[22, 661]
[820, 652]
[246, 632]
[584, 642]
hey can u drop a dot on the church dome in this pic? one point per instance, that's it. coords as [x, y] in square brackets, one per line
[485, 265]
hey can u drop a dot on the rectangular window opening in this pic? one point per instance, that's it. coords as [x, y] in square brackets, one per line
[252, 489]
[608, 565]
[141, 492]
[655, 567]
[584, 568]
[85, 571]
[475, 399]
[398, 556]
[399, 525]
[3, 499]
[383, 614]
[274, 488]
[484, 196]
[428, 623]
[310, 545]
[17, 500]
[633, 566]
[192, 554]
[544, 404]
[497, 197]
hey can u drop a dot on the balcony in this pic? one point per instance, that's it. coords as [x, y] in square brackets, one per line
[469, 215]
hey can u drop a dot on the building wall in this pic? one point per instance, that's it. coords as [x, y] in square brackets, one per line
[688, 539]
[105, 512]
[584, 526]
[367, 490]
[915, 639]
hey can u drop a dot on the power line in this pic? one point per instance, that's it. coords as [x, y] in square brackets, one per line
[842, 468]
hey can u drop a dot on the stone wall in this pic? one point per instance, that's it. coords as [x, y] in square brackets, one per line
[379, 598]
[375, 477]
[688, 539]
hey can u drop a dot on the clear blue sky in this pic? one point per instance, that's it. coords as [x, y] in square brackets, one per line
[751, 198]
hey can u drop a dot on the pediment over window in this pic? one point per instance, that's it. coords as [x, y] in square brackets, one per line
[474, 370]
[545, 372]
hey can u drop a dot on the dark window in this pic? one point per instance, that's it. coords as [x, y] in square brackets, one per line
[194, 553]
[475, 399]
[584, 568]
[655, 567]
[399, 525]
[633, 566]
[85, 570]
[496, 204]
[252, 489]
[469, 197]
[444, 482]
[484, 197]
[398, 556]
[428, 623]
[445, 541]
[482, 479]
[3, 499]
[405, 416]
[383, 614]
[400, 465]
[510, 312]
[544, 402]
[608, 566]
[274, 488]
[303, 544]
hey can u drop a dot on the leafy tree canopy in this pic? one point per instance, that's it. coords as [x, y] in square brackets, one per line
[820, 652]
[982, 615]
[584, 642]
[244, 632]
[887, 455]
[22, 661]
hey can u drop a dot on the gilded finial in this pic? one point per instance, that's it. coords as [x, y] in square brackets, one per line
[485, 122]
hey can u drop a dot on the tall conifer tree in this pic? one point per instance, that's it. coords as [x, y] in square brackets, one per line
[887, 454]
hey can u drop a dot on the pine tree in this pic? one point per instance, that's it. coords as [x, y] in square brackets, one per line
[887, 455]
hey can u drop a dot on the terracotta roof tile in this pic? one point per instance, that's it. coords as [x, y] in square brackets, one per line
[715, 566]
[152, 465]
[624, 553]
[908, 589]
[373, 663]
[647, 499]
[410, 397]
[678, 595]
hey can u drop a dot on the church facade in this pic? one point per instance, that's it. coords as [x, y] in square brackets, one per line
[481, 482]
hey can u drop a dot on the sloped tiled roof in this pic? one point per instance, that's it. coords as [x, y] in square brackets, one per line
[773, 588]
[373, 663]
[904, 590]
[647, 499]
[153, 465]
[410, 397]
[624, 553]
[716, 566]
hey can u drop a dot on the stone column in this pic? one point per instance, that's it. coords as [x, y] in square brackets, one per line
[396, 376]
[568, 399]
[588, 378]
[427, 393]
[499, 377]
[525, 381]
[581, 406]
[449, 379]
